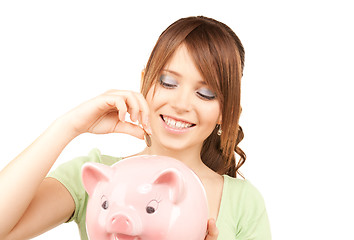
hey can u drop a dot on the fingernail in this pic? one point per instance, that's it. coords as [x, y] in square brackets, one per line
[147, 129]
[146, 120]
[135, 118]
[147, 126]
[123, 118]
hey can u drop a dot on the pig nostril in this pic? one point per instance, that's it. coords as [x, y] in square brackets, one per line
[120, 221]
[121, 224]
[124, 224]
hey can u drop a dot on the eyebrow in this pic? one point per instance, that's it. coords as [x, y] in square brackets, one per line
[180, 75]
[173, 72]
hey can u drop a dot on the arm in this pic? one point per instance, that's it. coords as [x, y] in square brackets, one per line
[22, 181]
[21, 178]
[51, 206]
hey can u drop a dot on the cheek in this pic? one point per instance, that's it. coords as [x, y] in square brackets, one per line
[210, 113]
[156, 98]
[150, 94]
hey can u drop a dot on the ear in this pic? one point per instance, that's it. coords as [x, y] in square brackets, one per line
[92, 174]
[174, 180]
[219, 120]
[142, 78]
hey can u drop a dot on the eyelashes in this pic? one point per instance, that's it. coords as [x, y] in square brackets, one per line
[206, 94]
[169, 82]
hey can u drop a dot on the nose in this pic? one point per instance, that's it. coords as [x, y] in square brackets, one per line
[182, 100]
[123, 224]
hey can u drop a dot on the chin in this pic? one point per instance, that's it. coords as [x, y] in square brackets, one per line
[173, 144]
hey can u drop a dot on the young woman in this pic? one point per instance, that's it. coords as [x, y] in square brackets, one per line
[188, 108]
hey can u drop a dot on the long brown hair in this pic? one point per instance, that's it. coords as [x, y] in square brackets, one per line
[219, 56]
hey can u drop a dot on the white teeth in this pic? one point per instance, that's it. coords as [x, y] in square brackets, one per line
[176, 124]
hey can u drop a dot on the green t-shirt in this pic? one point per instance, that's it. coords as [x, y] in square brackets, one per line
[242, 213]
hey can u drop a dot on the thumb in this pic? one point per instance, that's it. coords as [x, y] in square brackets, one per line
[131, 129]
[213, 231]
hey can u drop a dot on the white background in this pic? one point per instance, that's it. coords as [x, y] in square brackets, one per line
[296, 96]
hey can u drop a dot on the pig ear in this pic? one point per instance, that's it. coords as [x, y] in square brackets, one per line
[92, 174]
[175, 181]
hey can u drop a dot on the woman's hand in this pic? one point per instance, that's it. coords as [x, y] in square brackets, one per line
[213, 232]
[106, 114]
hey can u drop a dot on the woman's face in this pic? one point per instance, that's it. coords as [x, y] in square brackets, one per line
[184, 110]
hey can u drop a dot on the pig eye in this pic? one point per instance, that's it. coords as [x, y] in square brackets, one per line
[152, 206]
[150, 209]
[105, 205]
[104, 202]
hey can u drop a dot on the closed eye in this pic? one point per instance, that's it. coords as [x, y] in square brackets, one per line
[206, 93]
[168, 82]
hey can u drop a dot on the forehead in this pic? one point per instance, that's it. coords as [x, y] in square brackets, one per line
[182, 65]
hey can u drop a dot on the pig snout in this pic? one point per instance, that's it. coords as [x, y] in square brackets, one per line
[123, 224]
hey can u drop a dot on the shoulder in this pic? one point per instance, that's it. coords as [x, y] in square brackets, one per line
[243, 196]
[242, 189]
[69, 173]
[94, 155]
[244, 213]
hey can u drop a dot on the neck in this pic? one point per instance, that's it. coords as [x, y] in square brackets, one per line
[190, 157]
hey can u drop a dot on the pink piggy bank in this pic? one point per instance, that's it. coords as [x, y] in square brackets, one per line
[144, 198]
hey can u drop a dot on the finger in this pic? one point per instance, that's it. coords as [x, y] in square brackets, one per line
[121, 107]
[111, 101]
[131, 100]
[213, 231]
[136, 106]
[145, 112]
[131, 129]
[133, 105]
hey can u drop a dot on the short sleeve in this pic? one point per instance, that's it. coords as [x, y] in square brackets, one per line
[253, 222]
[242, 213]
[69, 174]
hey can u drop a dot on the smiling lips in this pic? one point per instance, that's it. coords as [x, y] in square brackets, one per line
[176, 124]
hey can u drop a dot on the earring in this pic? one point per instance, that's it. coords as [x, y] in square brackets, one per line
[219, 132]
[147, 139]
